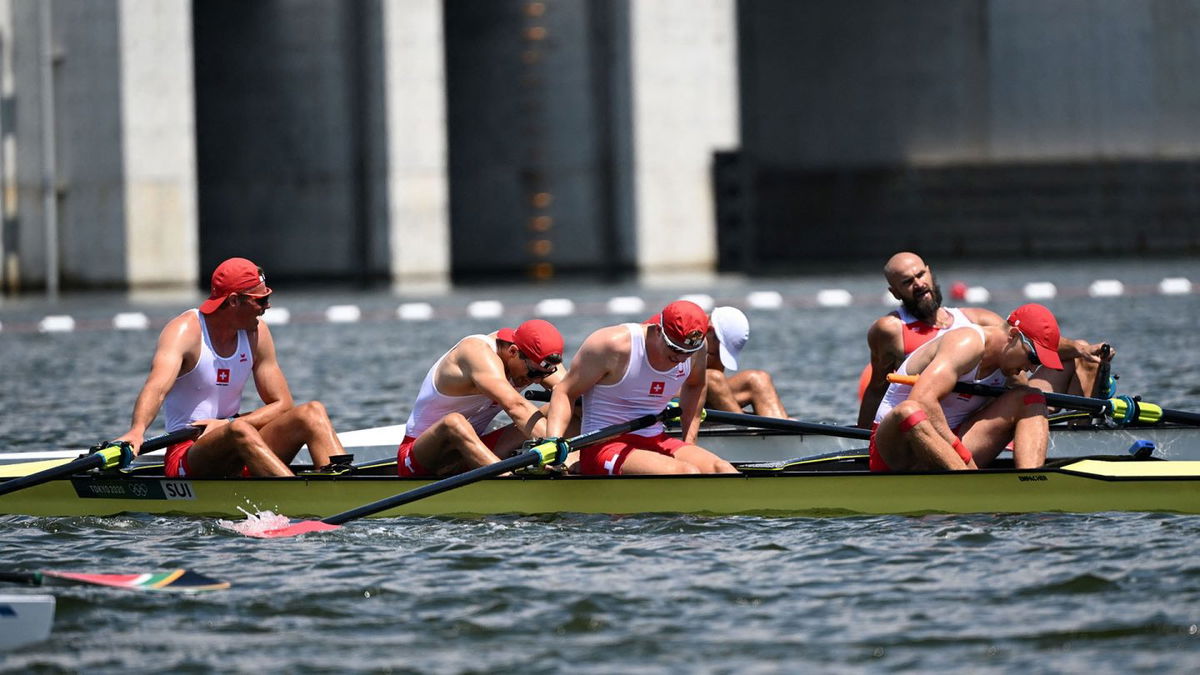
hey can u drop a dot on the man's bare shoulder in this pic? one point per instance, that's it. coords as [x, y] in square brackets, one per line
[609, 339]
[981, 316]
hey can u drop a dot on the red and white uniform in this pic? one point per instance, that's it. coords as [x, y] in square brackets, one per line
[956, 406]
[432, 405]
[212, 389]
[917, 332]
[641, 390]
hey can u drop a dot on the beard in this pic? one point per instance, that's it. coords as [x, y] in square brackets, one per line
[926, 308]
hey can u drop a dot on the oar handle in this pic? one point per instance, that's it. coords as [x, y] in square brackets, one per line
[1123, 407]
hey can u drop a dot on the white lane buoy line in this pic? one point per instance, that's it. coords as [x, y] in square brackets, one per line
[554, 307]
[834, 297]
[485, 309]
[1175, 286]
[705, 300]
[343, 314]
[625, 304]
[1040, 290]
[765, 300]
[56, 323]
[1106, 288]
[415, 311]
[977, 295]
[277, 316]
[131, 321]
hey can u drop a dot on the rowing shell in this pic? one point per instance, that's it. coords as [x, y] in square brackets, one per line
[826, 486]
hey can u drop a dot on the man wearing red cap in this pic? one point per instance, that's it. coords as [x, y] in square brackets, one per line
[467, 387]
[921, 317]
[629, 370]
[203, 360]
[927, 426]
[728, 332]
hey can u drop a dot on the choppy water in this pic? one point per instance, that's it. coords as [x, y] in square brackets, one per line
[1004, 593]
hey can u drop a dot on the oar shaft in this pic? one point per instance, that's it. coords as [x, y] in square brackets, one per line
[742, 419]
[1099, 406]
[527, 458]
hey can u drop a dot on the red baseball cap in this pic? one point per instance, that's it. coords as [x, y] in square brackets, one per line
[684, 324]
[1039, 325]
[236, 275]
[538, 340]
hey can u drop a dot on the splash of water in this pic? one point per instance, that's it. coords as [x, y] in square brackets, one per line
[255, 523]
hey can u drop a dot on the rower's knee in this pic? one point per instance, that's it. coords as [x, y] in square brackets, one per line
[459, 427]
[312, 415]
[760, 381]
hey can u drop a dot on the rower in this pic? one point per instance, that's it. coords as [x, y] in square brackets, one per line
[464, 390]
[203, 361]
[728, 333]
[921, 317]
[927, 426]
[626, 371]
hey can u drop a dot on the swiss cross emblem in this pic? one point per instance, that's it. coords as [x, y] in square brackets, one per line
[656, 388]
[222, 376]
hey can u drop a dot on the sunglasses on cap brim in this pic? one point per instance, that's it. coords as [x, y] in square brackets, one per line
[692, 343]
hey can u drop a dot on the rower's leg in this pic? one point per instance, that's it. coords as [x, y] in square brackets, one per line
[304, 424]
[908, 441]
[704, 460]
[1019, 416]
[224, 451]
[719, 395]
[756, 389]
[648, 462]
[451, 443]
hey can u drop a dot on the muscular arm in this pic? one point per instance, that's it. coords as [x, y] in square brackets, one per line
[886, 341]
[485, 372]
[958, 352]
[591, 364]
[165, 366]
[268, 379]
[691, 398]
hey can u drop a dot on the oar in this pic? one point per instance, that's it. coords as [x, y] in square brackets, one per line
[540, 454]
[744, 420]
[174, 581]
[111, 456]
[1122, 408]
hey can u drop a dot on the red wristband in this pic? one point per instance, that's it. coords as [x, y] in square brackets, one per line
[962, 450]
[912, 420]
[1034, 399]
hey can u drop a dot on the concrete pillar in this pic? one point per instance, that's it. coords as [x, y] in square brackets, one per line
[684, 81]
[122, 178]
[417, 185]
[158, 143]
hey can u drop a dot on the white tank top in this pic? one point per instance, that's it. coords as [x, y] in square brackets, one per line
[432, 405]
[957, 407]
[213, 388]
[642, 390]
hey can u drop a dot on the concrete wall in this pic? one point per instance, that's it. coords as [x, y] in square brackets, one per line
[977, 128]
[121, 143]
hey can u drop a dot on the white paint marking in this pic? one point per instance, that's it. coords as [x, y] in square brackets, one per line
[703, 299]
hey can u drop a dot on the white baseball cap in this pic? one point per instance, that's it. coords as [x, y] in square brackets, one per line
[733, 331]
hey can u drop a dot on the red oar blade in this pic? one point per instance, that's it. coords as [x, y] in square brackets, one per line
[294, 530]
[174, 581]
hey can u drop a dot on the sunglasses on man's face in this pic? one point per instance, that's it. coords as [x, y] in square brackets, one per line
[1032, 354]
[691, 344]
[263, 301]
[547, 369]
